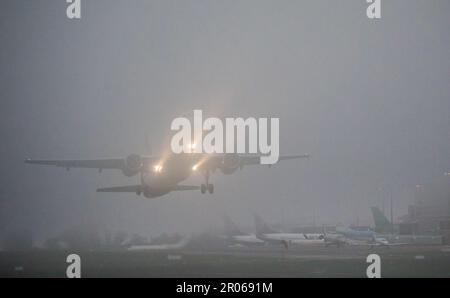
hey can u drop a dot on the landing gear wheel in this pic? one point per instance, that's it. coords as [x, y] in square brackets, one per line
[211, 188]
[207, 186]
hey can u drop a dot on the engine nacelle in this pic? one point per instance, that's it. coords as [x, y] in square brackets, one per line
[230, 164]
[133, 165]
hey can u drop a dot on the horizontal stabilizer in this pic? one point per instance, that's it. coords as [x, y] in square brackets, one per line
[138, 188]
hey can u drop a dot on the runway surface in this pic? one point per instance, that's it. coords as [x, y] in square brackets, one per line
[319, 261]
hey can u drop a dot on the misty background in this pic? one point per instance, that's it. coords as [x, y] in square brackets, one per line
[369, 100]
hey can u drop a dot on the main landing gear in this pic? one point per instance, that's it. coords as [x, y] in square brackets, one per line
[207, 186]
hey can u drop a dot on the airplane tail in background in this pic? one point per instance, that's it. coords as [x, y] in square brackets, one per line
[262, 227]
[382, 224]
[231, 228]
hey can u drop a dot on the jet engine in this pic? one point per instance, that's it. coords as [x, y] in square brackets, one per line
[230, 163]
[133, 164]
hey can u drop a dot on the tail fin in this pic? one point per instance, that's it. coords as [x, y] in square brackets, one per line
[230, 227]
[262, 227]
[382, 224]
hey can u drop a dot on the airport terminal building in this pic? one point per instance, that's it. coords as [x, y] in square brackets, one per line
[430, 213]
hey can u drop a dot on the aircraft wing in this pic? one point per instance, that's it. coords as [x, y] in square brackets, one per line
[248, 160]
[110, 163]
[114, 163]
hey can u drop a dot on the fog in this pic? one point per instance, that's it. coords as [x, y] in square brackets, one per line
[369, 100]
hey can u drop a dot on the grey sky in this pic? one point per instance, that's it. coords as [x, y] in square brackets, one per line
[369, 100]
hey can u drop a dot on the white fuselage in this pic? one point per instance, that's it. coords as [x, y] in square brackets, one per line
[174, 170]
[291, 238]
[247, 239]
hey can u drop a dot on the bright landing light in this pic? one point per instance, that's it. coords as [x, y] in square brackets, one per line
[157, 168]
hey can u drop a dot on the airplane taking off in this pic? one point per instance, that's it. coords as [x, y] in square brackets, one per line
[269, 235]
[160, 175]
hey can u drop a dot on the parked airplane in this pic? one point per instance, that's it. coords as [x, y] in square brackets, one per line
[174, 246]
[269, 235]
[160, 175]
[382, 224]
[237, 237]
[366, 237]
[334, 239]
[351, 233]
[385, 229]
[349, 236]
